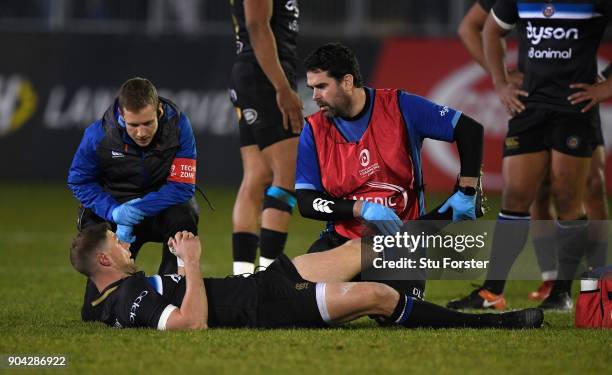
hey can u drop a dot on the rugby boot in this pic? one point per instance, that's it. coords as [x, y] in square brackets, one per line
[521, 319]
[561, 302]
[542, 292]
[480, 298]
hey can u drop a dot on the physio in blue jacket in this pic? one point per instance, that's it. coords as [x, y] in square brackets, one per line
[135, 168]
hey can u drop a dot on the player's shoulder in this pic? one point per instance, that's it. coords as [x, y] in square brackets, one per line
[94, 132]
[134, 285]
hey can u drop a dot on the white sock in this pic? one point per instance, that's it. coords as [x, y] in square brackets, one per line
[549, 275]
[243, 267]
[265, 262]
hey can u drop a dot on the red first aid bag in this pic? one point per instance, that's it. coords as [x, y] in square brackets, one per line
[594, 305]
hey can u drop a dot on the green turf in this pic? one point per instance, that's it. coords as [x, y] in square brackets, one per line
[41, 297]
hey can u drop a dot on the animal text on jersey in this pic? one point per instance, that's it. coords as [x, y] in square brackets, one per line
[284, 23]
[558, 41]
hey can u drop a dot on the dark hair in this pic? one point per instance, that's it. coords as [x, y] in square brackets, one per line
[136, 93]
[337, 59]
[85, 245]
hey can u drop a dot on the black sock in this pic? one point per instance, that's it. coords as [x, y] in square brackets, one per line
[272, 243]
[570, 245]
[509, 238]
[412, 313]
[597, 244]
[244, 246]
[546, 253]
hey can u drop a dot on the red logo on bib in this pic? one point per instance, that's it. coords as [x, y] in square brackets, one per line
[183, 170]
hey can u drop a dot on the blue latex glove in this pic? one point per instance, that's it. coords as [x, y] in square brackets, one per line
[126, 214]
[464, 206]
[124, 233]
[382, 217]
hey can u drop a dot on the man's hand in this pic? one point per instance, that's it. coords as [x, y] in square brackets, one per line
[382, 217]
[515, 78]
[290, 105]
[509, 96]
[464, 206]
[186, 246]
[124, 233]
[126, 214]
[594, 93]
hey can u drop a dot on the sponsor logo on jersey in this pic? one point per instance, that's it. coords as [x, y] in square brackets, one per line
[322, 205]
[385, 200]
[364, 157]
[136, 305]
[535, 34]
[116, 154]
[550, 54]
[18, 102]
[302, 286]
[548, 10]
[364, 161]
[250, 115]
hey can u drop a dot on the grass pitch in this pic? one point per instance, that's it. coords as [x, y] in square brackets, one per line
[41, 297]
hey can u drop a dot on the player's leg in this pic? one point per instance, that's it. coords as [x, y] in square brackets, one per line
[542, 229]
[343, 302]
[280, 199]
[246, 215]
[596, 205]
[342, 263]
[572, 141]
[524, 166]
[246, 79]
[166, 224]
[521, 176]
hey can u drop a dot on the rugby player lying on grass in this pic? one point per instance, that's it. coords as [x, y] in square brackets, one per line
[308, 291]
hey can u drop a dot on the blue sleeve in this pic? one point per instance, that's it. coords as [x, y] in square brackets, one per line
[307, 173]
[428, 119]
[84, 172]
[173, 193]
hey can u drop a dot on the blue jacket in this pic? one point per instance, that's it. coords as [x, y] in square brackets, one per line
[109, 168]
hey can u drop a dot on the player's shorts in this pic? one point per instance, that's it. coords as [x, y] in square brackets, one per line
[259, 119]
[285, 299]
[536, 129]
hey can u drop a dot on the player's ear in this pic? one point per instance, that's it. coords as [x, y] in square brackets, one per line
[102, 259]
[347, 82]
[160, 111]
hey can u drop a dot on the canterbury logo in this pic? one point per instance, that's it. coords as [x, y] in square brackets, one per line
[322, 205]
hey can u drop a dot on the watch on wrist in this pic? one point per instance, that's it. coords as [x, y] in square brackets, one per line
[468, 190]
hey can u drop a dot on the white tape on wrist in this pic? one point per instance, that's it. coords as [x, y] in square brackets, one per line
[179, 261]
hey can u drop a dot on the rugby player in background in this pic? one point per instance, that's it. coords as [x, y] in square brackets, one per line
[555, 126]
[263, 90]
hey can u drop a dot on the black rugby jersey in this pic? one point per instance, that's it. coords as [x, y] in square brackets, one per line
[141, 301]
[558, 42]
[284, 24]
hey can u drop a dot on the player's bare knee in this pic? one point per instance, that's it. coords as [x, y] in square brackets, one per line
[517, 200]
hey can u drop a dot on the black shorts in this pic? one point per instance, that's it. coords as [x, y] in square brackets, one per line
[259, 119]
[285, 299]
[535, 129]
